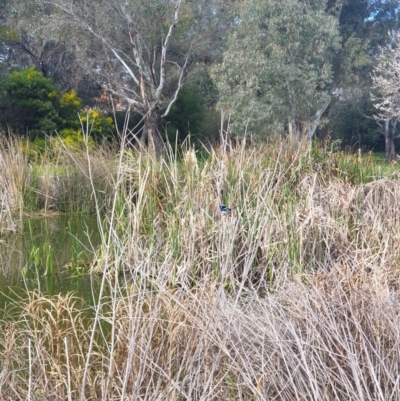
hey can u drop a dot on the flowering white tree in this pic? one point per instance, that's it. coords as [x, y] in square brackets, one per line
[386, 96]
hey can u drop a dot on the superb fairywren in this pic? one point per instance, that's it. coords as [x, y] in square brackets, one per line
[225, 210]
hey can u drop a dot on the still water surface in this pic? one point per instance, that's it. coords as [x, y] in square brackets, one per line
[62, 238]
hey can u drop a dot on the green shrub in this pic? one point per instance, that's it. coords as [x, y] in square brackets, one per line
[39, 109]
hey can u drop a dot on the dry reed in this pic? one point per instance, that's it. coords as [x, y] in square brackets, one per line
[294, 296]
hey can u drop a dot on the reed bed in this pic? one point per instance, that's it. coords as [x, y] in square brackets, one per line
[294, 296]
[62, 179]
[14, 172]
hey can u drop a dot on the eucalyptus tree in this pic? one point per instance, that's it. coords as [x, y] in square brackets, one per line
[138, 51]
[277, 67]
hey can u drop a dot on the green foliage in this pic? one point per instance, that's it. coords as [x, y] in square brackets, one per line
[96, 125]
[40, 262]
[354, 130]
[35, 100]
[73, 138]
[7, 34]
[364, 26]
[70, 105]
[186, 115]
[356, 62]
[76, 264]
[40, 110]
[278, 64]
[39, 107]
[91, 127]
[371, 21]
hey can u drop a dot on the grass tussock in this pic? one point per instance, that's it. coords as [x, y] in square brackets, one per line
[294, 296]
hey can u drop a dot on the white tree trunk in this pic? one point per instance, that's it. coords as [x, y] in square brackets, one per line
[303, 131]
[313, 124]
[389, 132]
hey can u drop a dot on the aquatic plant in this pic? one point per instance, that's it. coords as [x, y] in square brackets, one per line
[39, 263]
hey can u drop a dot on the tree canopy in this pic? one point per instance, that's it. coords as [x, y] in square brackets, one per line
[137, 51]
[277, 67]
[273, 67]
[35, 104]
[364, 26]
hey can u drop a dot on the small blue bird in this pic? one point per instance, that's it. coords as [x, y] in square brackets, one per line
[225, 210]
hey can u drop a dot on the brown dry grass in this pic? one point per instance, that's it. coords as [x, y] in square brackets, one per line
[295, 296]
[14, 172]
[334, 336]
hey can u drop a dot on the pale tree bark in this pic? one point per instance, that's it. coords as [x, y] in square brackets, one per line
[135, 68]
[386, 81]
[312, 125]
[151, 137]
[303, 131]
[388, 130]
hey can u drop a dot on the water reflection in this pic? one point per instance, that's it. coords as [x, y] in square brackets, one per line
[59, 239]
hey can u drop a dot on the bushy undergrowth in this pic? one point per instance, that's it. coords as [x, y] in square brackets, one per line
[294, 296]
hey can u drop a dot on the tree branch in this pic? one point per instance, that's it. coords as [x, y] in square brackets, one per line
[127, 68]
[165, 47]
[177, 89]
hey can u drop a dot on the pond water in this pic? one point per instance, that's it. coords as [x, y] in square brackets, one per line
[44, 255]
